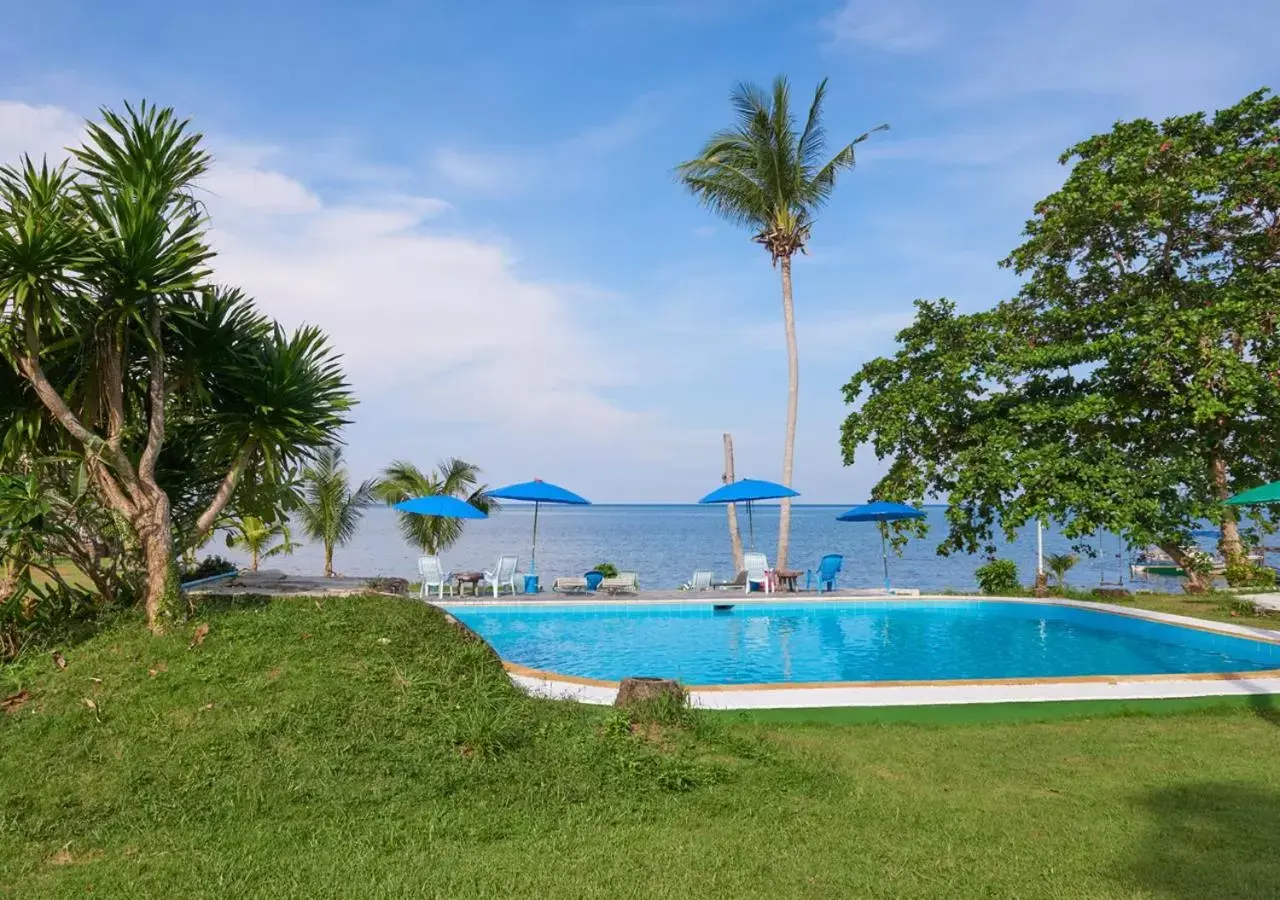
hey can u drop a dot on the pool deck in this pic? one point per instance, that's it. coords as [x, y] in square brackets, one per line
[902, 693]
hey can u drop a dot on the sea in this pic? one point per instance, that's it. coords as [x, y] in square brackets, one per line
[666, 543]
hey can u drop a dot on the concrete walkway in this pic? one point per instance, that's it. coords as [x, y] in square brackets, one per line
[274, 583]
[1270, 601]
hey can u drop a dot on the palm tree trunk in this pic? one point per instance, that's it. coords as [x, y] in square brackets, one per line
[731, 509]
[253, 563]
[328, 560]
[793, 399]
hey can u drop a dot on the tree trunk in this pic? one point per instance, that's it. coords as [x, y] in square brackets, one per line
[328, 560]
[793, 399]
[155, 533]
[1229, 545]
[253, 560]
[1197, 582]
[731, 509]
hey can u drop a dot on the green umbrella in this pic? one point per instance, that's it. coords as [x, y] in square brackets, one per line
[1267, 493]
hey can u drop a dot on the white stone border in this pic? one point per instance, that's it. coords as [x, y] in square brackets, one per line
[924, 693]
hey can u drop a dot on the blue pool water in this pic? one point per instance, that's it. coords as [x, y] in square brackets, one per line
[857, 641]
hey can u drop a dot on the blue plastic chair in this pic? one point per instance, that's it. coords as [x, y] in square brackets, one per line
[828, 569]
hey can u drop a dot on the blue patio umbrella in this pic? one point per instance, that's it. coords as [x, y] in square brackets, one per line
[881, 511]
[747, 491]
[537, 492]
[440, 505]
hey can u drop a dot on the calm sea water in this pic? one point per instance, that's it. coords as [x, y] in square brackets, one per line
[864, 641]
[666, 543]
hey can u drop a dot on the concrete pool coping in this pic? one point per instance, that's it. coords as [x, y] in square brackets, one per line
[786, 695]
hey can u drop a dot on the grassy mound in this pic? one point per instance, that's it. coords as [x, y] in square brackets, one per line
[362, 748]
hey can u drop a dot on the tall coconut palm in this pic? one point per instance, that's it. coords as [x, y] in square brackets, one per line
[329, 509]
[255, 536]
[454, 478]
[763, 174]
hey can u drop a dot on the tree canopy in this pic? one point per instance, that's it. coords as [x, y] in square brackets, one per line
[1134, 380]
[128, 363]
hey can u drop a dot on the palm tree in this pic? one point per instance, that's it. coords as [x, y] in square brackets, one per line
[329, 510]
[454, 478]
[762, 174]
[255, 536]
[1060, 564]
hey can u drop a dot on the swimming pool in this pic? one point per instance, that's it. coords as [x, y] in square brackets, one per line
[865, 642]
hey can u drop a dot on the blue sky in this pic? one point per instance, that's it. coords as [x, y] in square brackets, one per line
[477, 200]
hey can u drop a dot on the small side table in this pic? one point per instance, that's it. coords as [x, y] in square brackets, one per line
[787, 579]
[462, 579]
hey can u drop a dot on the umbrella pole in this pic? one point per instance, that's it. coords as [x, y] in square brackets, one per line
[884, 555]
[751, 526]
[533, 554]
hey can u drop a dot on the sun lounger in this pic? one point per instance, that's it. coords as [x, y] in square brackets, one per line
[622, 583]
[738, 581]
[569, 585]
[701, 581]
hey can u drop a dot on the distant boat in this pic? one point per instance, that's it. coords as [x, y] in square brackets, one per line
[1154, 561]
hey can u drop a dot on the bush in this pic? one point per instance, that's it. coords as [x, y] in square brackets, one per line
[607, 569]
[208, 567]
[999, 576]
[1246, 574]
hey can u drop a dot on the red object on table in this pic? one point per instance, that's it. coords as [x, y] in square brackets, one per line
[787, 578]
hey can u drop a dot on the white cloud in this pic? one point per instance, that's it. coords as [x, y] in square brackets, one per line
[894, 28]
[259, 191]
[449, 346]
[36, 130]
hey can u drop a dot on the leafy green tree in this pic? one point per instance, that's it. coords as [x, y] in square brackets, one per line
[1134, 381]
[766, 175]
[1060, 564]
[453, 478]
[165, 389]
[259, 538]
[329, 509]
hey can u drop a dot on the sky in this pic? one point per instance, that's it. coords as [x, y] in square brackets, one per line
[477, 201]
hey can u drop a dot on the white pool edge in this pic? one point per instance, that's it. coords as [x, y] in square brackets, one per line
[924, 693]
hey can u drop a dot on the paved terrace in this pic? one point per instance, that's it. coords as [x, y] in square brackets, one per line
[273, 583]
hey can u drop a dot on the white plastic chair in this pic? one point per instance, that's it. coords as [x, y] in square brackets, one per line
[503, 575]
[757, 566]
[433, 576]
[701, 581]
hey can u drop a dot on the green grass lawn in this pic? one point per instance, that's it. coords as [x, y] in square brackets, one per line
[361, 748]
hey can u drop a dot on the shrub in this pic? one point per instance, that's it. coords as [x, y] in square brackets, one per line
[999, 576]
[208, 567]
[607, 569]
[1246, 574]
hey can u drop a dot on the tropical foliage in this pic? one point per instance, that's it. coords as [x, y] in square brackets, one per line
[1133, 382]
[453, 478]
[769, 175]
[998, 577]
[127, 364]
[330, 509]
[259, 538]
[1060, 564]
